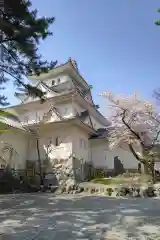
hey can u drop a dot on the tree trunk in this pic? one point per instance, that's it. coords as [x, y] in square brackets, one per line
[145, 169]
[39, 163]
[148, 169]
[152, 172]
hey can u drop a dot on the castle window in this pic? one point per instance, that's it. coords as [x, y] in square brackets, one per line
[2, 166]
[81, 143]
[58, 141]
[58, 80]
[49, 140]
[26, 118]
[53, 82]
[65, 110]
[85, 144]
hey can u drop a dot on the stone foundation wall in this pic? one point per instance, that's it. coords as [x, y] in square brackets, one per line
[122, 190]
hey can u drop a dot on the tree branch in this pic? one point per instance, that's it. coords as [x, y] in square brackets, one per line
[155, 140]
[2, 69]
[16, 60]
[8, 40]
[134, 153]
[130, 129]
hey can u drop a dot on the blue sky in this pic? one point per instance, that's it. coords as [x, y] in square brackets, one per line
[115, 43]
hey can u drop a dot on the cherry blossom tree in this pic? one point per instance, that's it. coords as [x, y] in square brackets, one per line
[135, 126]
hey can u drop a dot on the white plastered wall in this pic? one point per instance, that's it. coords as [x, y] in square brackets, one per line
[18, 140]
[102, 156]
[80, 144]
[62, 151]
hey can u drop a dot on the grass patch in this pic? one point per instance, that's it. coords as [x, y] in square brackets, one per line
[108, 181]
[102, 181]
[122, 179]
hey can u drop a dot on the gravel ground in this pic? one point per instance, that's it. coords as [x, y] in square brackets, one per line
[44, 216]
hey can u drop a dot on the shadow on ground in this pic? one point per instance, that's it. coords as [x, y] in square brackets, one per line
[44, 216]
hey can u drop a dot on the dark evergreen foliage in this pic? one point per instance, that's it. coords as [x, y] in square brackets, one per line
[21, 31]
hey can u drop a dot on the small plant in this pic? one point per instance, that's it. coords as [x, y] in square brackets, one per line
[109, 191]
[97, 106]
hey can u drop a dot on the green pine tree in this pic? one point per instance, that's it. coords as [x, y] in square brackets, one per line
[20, 33]
[158, 21]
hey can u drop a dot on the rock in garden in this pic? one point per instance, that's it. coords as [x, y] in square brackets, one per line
[135, 193]
[92, 190]
[150, 192]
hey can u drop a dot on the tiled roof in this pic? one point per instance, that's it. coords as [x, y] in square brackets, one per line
[12, 123]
